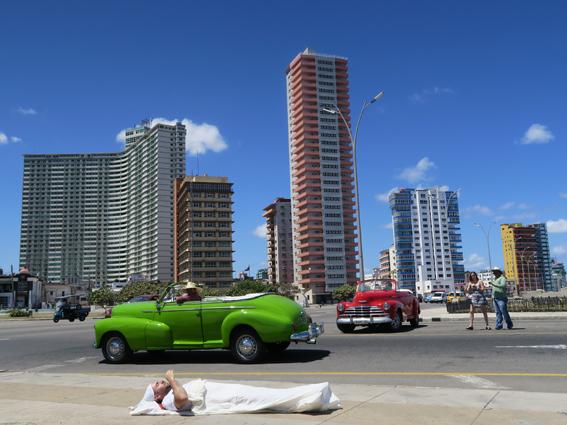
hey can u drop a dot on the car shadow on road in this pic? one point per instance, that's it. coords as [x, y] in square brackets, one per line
[385, 330]
[222, 357]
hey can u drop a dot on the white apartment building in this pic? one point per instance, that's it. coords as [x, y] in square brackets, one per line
[100, 217]
[427, 239]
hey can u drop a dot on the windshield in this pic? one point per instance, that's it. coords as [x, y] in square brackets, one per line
[376, 285]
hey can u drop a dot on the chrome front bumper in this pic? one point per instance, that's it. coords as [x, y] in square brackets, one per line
[363, 320]
[310, 335]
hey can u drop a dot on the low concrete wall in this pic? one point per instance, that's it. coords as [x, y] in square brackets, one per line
[517, 305]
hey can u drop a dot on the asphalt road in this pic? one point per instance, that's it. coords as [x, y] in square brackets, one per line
[532, 357]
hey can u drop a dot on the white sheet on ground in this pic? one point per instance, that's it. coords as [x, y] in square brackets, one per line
[214, 398]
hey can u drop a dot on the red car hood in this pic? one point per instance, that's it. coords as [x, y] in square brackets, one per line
[371, 297]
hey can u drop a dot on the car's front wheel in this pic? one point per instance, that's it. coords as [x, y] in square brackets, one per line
[56, 319]
[115, 348]
[396, 323]
[346, 329]
[246, 346]
[415, 321]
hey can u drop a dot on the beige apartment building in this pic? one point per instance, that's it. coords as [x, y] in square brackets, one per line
[203, 230]
[279, 240]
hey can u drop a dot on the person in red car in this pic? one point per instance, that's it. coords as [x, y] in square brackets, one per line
[192, 292]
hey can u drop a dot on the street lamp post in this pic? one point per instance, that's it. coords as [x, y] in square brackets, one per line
[487, 236]
[335, 110]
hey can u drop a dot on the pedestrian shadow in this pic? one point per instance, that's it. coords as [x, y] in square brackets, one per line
[221, 357]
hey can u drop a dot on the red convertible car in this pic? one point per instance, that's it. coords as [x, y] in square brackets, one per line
[378, 302]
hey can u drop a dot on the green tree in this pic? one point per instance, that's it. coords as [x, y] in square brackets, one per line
[103, 296]
[344, 293]
[135, 289]
[213, 292]
[249, 287]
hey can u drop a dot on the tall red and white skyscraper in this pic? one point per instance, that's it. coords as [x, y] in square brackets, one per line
[321, 170]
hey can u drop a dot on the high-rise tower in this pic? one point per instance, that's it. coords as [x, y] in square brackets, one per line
[101, 217]
[203, 230]
[279, 238]
[427, 239]
[526, 256]
[321, 174]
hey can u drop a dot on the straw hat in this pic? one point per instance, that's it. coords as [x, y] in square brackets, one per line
[192, 285]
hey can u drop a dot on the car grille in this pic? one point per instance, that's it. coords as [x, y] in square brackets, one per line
[364, 311]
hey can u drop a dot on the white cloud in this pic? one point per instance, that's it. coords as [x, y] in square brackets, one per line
[513, 205]
[261, 231]
[425, 94]
[478, 210]
[537, 134]
[559, 250]
[557, 226]
[563, 195]
[27, 111]
[524, 216]
[199, 139]
[507, 206]
[388, 226]
[4, 139]
[385, 197]
[475, 262]
[418, 172]
[121, 136]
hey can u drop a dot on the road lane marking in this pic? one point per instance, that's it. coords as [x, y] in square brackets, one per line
[447, 374]
[42, 368]
[80, 359]
[4, 339]
[554, 347]
[478, 382]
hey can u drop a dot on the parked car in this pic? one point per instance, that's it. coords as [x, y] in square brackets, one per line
[70, 308]
[455, 297]
[438, 297]
[249, 326]
[147, 297]
[427, 298]
[378, 302]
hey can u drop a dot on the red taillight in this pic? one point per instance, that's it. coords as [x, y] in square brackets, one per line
[107, 312]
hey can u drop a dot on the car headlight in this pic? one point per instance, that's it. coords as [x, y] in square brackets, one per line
[340, 308]
[386, 306]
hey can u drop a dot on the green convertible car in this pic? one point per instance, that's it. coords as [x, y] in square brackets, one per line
[249, 326]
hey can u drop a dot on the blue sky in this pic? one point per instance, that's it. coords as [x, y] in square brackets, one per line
[474, 99]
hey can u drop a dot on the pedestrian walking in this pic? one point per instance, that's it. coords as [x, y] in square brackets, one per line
[500, 299]
[475, 289]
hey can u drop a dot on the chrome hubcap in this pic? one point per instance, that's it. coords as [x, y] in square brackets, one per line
[115, 347]
[397, 322]
[246, 346]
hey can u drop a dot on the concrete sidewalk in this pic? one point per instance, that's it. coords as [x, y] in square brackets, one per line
[43, 398]
[441, 314]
